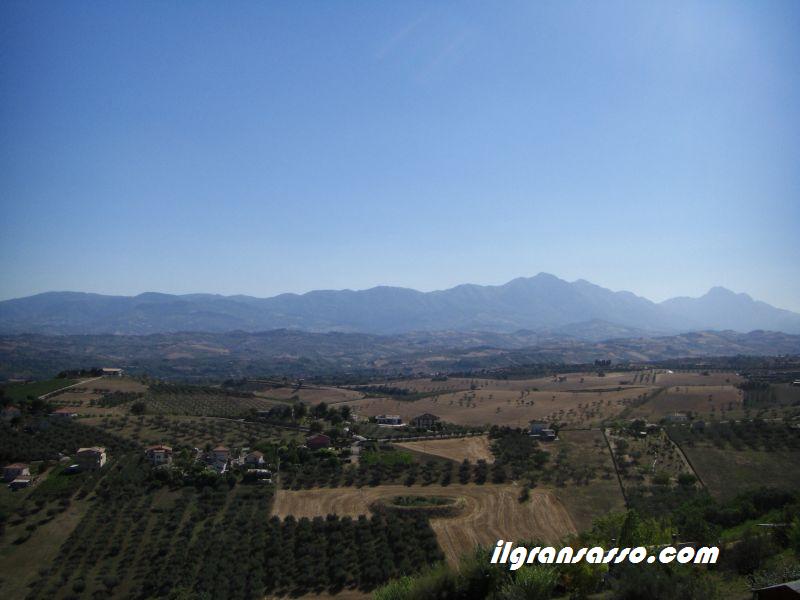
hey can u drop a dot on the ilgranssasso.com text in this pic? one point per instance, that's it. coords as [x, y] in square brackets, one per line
[516, 556]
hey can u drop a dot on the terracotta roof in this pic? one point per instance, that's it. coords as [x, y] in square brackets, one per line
[17, 466]
[256, 453]
[160, 447]
[221, 449]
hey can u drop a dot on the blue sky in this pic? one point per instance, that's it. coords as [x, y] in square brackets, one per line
[264, 147]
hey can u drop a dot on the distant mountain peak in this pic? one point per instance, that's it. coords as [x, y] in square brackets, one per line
[541, 303]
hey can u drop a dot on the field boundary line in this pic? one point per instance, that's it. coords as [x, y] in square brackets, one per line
[616, 469]
[66, 387]
[686, 458]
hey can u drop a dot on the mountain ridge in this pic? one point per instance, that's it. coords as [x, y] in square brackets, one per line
[542, 303]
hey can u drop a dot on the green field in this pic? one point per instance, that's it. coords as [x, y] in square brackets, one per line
[21, 391]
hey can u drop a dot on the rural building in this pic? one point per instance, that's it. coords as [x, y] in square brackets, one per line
[541, 431]
[220, 454]
[19, 483]
[15, 470]
[424, 421]
[677, 418]
[254, 458]
[64, 413]
[218, 458]
[260, 473]
[159, 455]
[315, 442]
[11, 412]
[782, 591]
[388, 420]
[90, 459]
[112, 372]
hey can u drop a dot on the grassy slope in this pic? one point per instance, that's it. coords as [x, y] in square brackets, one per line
[20, 391]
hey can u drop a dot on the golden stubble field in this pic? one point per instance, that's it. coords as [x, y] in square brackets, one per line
[472, 449]
[490, 512]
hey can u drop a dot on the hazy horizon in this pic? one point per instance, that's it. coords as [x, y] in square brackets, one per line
[201, 292]
[269, 148]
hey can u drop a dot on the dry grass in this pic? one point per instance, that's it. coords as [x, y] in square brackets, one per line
[572, 381]
[682, 379]
[515, 408]
[491, 512]
[457, 449]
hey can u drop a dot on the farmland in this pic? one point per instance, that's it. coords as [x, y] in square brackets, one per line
[502, 482]
[491, 512]
[750, 454]
[188, 431]
[702, 401]
[506, 407]
[457, 449]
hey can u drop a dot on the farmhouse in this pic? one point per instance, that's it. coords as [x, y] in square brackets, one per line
[424, 421]
[19, 483]
[541, 431]
[11, 412]
[254, 459]
[220, 454]
[315, 442]
[219, 458]
[781, 591]
[64, 413]
[90, 459]
[112, 372]
[389, 420]
[159, 455]
[15, 470]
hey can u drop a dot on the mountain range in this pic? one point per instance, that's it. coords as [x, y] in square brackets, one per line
[543, 305]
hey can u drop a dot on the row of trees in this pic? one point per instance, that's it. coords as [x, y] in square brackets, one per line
[220, 542]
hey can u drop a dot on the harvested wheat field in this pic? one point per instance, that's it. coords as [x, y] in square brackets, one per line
[457, 449]
[310, 395]
[490, 512]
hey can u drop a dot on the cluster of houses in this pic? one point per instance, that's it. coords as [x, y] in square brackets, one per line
[18, 475]
[220, 459]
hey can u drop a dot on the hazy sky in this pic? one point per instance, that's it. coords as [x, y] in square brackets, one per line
[264, 147]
